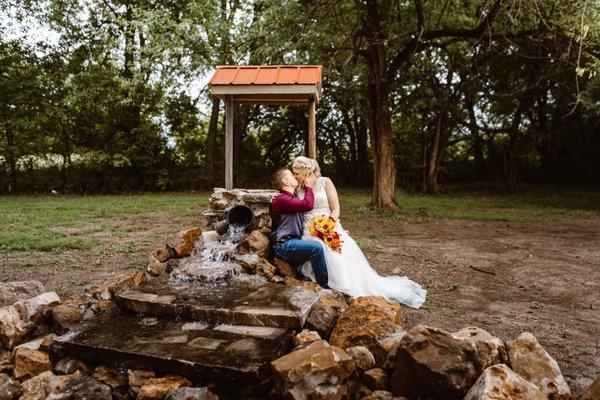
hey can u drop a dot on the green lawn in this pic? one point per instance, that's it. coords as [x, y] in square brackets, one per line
[46, 223]
[55, 223]
[522, 207]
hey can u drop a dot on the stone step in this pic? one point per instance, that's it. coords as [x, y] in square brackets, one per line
[239, 301]
[238, 355]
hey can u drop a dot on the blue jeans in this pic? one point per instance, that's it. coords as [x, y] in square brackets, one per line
[298, 251]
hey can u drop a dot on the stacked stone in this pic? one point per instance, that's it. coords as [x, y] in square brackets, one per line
[30, 369]
[369, 355]
[356, 351]
[257, 199]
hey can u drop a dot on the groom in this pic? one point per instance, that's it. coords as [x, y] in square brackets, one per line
[286, 216]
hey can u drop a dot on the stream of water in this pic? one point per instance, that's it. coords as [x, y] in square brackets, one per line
[210, 261]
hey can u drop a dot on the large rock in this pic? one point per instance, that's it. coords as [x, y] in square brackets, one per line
[12, 327]
[30, 363]
[108, 289]
[35, 388]
[319, 371]
[256, 243]
[489, 348]
[369, 321]
[254, 264]
[6, 365]
[68, 366]
[138, 377]
[498, 382]
[376, 379]
[37, 308]
[19, 319]
[11, 292]
[284, 268]
[189, 393]
[325, 313]
[382, 395]
[257, 196]
[110, 377]
[157, 388]
[163, 253]
[76, 386]
[155, 267]
[46, 343]
[10, 389]
[431, 361]
[592, 392]
[309, 285]
[32, 344]
[363, 358]
[529, 359]
[183, 242]
[305, 338]
[69, 313]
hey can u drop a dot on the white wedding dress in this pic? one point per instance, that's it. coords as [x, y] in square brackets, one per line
[349, 271]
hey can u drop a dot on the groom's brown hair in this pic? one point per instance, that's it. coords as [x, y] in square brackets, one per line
[277, 178]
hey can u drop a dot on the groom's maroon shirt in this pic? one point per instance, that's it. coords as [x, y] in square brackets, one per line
[286, 215]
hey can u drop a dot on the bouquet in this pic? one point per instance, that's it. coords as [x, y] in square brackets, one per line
[323, 227]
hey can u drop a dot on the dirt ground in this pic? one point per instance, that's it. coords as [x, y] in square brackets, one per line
[505, 277]
[508, 278]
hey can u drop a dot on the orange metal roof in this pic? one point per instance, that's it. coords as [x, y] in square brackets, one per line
[267, 75]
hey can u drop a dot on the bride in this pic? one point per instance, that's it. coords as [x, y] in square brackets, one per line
[349, 271]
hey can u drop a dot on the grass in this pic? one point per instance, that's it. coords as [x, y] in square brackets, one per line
[576, 352]
[516, 207]
[59, 223]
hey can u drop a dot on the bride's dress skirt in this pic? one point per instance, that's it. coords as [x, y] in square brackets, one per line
[349, 272]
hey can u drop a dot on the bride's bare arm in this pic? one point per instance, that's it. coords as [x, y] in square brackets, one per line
[332, 197]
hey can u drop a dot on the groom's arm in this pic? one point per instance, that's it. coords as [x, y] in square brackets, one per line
[287, 204]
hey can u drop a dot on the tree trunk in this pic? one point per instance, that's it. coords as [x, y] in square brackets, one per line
[132, 110]
[512, 158]
[362, 145]
[212, 137]
[11, 159]
[476, 137]
[432, 157]
[384, 166]
[380, 119]
[352, 136]
[550, 137]
[129, 36]
[66, 156]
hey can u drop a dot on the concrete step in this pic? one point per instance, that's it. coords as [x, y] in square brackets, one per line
[230, 355]
[239, 301]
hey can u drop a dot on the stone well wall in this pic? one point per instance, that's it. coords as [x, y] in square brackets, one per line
[257, 199]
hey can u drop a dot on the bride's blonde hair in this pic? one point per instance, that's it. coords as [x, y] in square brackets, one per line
[307, 165]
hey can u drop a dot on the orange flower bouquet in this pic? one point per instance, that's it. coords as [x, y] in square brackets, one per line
[323, 227]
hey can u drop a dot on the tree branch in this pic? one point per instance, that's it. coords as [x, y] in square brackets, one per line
[461, 33]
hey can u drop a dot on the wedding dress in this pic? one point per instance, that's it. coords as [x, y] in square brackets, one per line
[349, 271]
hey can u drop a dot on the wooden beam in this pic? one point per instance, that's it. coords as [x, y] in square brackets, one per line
[229, 142]
[312, 90]
[312, 129]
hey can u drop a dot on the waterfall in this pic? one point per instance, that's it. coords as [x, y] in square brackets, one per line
[210, 261]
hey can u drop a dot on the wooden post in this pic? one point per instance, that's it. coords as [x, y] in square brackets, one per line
[229, 142]
[312, 129]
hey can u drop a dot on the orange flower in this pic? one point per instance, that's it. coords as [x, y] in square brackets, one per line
[323, 227]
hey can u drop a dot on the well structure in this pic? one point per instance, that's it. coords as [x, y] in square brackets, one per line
[266, 84]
